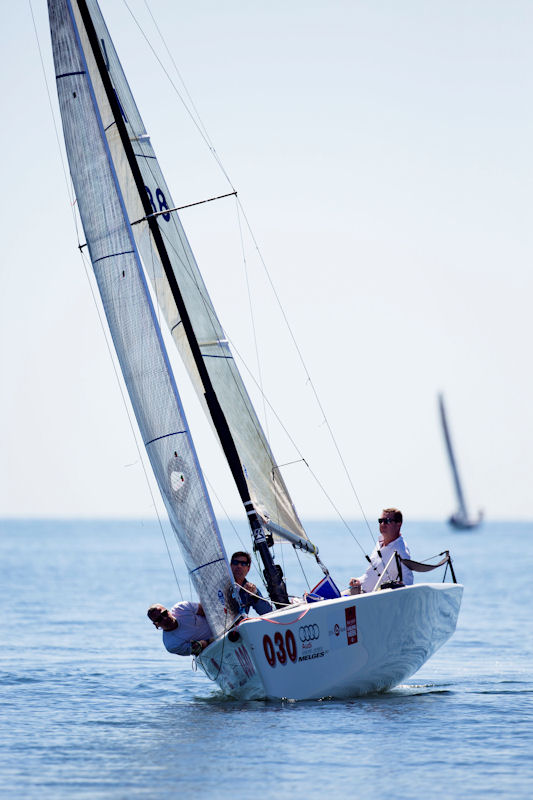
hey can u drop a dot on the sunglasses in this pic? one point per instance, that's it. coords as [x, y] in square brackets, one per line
[386, 520]
[236, 563]
[163, 615]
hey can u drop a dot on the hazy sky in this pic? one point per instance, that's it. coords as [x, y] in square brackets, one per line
[382, 153]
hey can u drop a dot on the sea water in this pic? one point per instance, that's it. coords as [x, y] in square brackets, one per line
[94, 707]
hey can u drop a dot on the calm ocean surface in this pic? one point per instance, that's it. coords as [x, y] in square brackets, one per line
[94, 707]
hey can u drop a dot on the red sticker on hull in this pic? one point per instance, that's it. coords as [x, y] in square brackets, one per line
[351, 625]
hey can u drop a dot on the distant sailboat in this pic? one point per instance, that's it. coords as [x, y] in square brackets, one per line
[460, 518]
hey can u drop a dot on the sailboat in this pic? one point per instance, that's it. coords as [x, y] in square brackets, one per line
[143, 265]
[460, 518]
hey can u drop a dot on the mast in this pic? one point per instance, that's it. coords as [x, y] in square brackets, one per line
[272, 572]
[453, 464]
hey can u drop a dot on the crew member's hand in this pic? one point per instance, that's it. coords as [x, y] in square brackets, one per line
[197, 647]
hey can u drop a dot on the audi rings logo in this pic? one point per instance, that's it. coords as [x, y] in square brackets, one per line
[309, 632]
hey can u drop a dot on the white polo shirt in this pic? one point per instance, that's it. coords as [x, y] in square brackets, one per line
[192, 627]
[377, 564]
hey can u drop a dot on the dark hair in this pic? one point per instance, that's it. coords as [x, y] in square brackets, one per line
[245, 555]
[394, 512]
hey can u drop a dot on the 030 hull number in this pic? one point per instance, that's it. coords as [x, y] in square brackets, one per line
[281, 649]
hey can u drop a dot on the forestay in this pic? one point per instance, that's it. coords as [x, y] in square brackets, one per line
[105, 204]
[266, 487]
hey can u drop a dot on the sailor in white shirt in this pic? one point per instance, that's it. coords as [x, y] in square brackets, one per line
[185, 628]
[390, 540]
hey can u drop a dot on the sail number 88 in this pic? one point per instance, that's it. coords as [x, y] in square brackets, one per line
[161, 200]
[281, 649]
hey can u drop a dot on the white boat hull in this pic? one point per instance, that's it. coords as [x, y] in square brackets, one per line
[345, 647]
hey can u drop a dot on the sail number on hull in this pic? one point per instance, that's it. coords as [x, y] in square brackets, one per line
[280, 649]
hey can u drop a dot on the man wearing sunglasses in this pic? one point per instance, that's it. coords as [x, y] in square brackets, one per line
[185, 628]
[249, 593]
[390, 540]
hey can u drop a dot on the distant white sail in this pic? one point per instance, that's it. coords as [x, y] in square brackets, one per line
[105, 203]
[460, 518]
[451, 457]
[266, 487]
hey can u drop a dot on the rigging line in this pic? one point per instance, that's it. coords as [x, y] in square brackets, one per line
[295, 343]
[257, 596]
[257, 567]
[319, 483]
[284, 568]
[289, 463]
[180, 208]
[252, 319]
[243, 545]
[109, 350]
[198, 125]
[292, 621]
[257, 358]
[213, 491]
[303, 570]
[178, 73]
[258, 361]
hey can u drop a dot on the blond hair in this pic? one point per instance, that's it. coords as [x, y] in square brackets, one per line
[398, 517]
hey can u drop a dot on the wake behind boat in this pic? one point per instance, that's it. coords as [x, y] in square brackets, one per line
[143, 265]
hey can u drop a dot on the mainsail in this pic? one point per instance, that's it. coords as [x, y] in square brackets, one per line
[106, 200]
[267, 493]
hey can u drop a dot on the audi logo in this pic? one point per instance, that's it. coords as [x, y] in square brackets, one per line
[309, 632]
